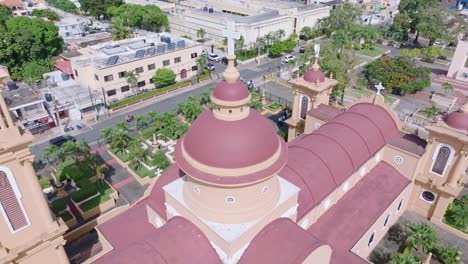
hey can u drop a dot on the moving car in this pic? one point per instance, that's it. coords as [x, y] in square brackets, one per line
[225, 61]
[210, 67]
[288, 58]
[302, 49]
[60, 140]
[214, 57]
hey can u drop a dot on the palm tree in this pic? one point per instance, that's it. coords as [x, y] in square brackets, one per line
[280, 33]
[432, 111]
[268, 38]
[306, 32]
[83, 148]
[341, 40]
[51, 154]
[201, 33]
[121, 140]
[106, 134]
[202, 60]
[404, 259]
[420, 237]
[132, 80]
[205, 98]
[140, 121]
[457, 213]
[137, 156]
[152, 116]
[257, 105]
[121, 126]
[100, 172]
[447, 87]
[119, 29]
[240, 43]
[259, 44]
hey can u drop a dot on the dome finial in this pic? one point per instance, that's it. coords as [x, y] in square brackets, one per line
[231, 74]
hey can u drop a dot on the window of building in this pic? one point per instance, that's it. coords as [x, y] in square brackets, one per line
[139, 70]
[230, 199]
[386, 220]
[193, 55]
[111, 92]
[67, 34]
[428, 196]
[194, 68]
[151, 67]
[166, 63]
[12, 208]
[177, 60]
[398, 160]
[399, 205]
[76, 73]
[122, 74]
[151, 80]
[96, 77]
[371, 239]
[108, 78]
[141, 84]
[125, 88]
[466, 63]
[73, 27]
[441, 159]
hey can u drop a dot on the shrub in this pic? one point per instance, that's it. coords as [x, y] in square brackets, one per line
[58, 205]
[84, 193]
[66, 216]
[49, 14]
[357, 46]
[159, 160]
[45, 182]
[77, 171]
[164, 77]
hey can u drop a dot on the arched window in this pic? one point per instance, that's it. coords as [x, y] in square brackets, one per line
[304, 106]
[371, 239]
[441, 160]
[11, 207]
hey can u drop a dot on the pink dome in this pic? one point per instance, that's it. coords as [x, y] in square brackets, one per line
[231, 145]
[314, 76]
[457, 120]
[231, 91]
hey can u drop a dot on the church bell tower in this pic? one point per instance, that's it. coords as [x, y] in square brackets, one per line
[29, 233]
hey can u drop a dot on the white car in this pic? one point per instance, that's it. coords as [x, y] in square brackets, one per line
[439, 44]
[288, 58]
[214, 57]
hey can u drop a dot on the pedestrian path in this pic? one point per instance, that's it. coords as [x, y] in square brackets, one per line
[123, 183]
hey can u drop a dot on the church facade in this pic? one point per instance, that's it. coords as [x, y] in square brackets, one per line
[240, 194]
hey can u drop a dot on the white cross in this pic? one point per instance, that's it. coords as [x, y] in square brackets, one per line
[379, 88]
[231, 34]
[158, 172]
[317, 50]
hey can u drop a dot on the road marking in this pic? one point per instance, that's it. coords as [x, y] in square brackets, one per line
[123, 183]
[281, 83]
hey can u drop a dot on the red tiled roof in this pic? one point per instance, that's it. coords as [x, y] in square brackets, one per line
[325, 112]
[10, 203]
[177, 242]
[280, 242]
[64, 66]
[321, 161]
[411, 143]
[348, 220]
[11, 3]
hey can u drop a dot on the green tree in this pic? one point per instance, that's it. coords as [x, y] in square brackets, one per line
[398, 74]
[240, 43]
[101, 172]
[457, 213]
[305, 33]
[106, 134]
[34, 70]
[120, 141]
[98, 8]
[342, 18]
[27, 39]
[64, 5]
[411, 53]
[138, 155]
[420, 236]
[341, 39]
[160, 159]
[205, 98]
[164, 77]
[49, 14]
[191, 109]
[257, 105]
[119, 30]
[68, 150]
[121, 126]
[268, 38]
[51, 154]
[293, 37]
[201, 32]
[431, 53]
[450, 255]
[447, 87]
[140, 121]
[132, 80]
[202, 60]
[276, 49]
[148, 17]
[5, 14]
[404, 259]
[280, 34]
[83, 148]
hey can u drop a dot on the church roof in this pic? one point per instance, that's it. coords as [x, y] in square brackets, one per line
[179, 241]
[347, 221]
[231, 91]
[411, 143]
[458, 120]
[321, 161]
[325, 112]
[280, 242]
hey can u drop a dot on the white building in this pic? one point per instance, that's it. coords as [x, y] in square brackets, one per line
[71, 26]
[253, 18]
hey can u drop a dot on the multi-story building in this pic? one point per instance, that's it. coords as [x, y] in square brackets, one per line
[104, 67]
[70, 26]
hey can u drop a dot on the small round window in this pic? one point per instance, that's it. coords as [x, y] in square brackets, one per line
[230, 199]
[265, 189]
[317, 125]
[428, 196]
[398, 160]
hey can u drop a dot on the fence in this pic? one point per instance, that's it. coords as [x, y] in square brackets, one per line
[274, 98]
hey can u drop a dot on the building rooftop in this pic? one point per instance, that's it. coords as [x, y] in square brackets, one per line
[24, 94]
[111, 53]
[89, 40]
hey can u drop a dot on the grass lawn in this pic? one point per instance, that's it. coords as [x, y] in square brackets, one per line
[142, 171]
[104, 195]
[359, 92]
[255, 95]
[66, 216]
[371, 53]
[447, 53]
[275, 106]
[122, 156]
[356, 62]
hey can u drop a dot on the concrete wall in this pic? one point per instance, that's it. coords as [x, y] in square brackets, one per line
[457, 67]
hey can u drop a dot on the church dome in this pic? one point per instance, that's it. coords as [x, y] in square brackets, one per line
[314, 75]
[225, 91]
[457, 120]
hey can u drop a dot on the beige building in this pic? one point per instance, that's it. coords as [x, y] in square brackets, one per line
[29, 233]
[253, 18]
[459, 66]
[103, 67]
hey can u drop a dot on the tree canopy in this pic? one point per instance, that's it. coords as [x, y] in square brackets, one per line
[64, 5]
[98, 8]
[149, 17]
[27, 39]
[164, 77]
[341, 18]
[5, 14]
[49, 14]
[398, 74]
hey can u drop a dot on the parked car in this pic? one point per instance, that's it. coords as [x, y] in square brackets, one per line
[225, 61]
[60, 140]
[214, 57]
[288, 58]
[439, 44]
[210, 67]
[302, 49]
